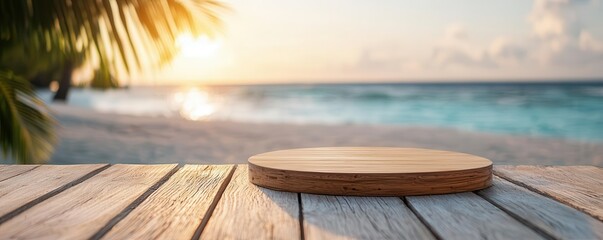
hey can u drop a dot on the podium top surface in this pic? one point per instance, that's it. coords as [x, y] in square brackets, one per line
[368, 160]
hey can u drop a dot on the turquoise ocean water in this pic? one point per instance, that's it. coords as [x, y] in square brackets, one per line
[560, 110]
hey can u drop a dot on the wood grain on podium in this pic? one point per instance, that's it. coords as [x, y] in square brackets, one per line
[370, 171]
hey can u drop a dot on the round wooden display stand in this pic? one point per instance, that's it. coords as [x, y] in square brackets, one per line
[370, 171]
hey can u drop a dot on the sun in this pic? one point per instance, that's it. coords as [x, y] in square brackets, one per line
[200, 47]
[198, 59]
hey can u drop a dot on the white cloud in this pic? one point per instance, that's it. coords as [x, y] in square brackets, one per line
[558, 45]
[557, 40]
[560, 38]
[455, 49]
[553, 19]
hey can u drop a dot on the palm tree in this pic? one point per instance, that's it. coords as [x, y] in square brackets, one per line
[116, 36]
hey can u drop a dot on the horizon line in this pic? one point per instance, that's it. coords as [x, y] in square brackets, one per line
[568, 81]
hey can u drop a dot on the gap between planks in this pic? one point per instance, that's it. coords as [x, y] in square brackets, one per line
[50, 194]
[246, 211]
[514, 216]
[19, 172]
[531, 189]
[421, 219]
[467, 215]
[353, 217]
[526, 223]
[554, 195]
[548, 216]
[213, 204]
[300, 206]
[134, 204]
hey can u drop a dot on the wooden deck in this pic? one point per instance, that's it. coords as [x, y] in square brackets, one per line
[218, 202]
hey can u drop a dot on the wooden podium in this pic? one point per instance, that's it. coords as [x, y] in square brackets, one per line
[370, 171]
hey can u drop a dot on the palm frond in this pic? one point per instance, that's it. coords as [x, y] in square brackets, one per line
[122, 35]
[26, 129]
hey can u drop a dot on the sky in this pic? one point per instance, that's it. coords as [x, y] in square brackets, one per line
[275, 41]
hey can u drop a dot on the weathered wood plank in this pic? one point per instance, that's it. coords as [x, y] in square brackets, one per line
[81, 210]
[246, 211]
[468, 216]
[9, 171]
[578, 186]
[175, 210]
[550, 216]
[344, 217]
[22, 189]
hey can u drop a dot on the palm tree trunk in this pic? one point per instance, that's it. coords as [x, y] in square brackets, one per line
[64, 83]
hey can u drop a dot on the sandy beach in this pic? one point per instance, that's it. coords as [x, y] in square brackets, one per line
[87, 136]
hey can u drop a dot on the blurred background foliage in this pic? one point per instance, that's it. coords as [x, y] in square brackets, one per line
[42, 41]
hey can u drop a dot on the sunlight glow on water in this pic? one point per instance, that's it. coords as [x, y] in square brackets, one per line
[193, 104]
